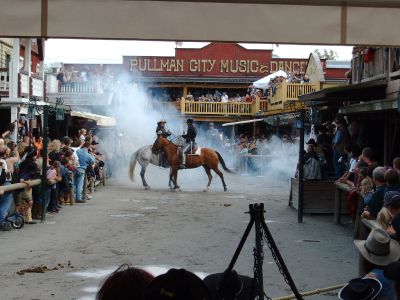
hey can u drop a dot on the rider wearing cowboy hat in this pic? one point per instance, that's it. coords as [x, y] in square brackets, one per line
[161, 129]
[190, 138]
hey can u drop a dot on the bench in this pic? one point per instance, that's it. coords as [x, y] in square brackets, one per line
[318, 196]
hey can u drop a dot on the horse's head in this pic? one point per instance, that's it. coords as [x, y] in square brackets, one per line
[159, 143]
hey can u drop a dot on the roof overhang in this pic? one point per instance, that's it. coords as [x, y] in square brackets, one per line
[367, 91]
[371, 106]
[100, 120]
[345, 22]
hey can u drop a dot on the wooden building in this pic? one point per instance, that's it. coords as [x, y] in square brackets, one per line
[371, 100]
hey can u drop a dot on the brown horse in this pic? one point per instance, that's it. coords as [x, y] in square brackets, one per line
[208, 158]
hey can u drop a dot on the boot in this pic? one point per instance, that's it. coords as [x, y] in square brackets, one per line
[182, 161]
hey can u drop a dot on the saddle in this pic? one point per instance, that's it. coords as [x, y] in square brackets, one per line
[194, 150]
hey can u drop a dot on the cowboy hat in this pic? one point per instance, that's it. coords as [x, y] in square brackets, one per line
[311, 142]
[189, 121]
[177, 284]
[360, 289]
[379, 248]
[161, 121]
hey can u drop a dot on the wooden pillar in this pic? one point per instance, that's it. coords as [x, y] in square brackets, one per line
[387, 140]
[337, 206]
[301, 170]
[14, 69]
[28, 56]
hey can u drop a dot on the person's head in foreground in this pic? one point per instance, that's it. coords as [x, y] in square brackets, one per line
[125, 283]
[177, 285]
[360, 289]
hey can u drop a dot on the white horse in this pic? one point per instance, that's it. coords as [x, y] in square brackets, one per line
[144, 156]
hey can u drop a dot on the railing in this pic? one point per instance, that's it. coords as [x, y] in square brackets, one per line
[290, 91]
[4, 80]
[164, 106]
[37, 87]
[79, 88]
[285, 93]
[216, 108]
[375, 68]
[24, 86]
[263, 105]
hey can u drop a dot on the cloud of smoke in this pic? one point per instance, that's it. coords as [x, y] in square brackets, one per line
[137, 114]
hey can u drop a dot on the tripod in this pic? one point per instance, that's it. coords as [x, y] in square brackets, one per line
[256, 212]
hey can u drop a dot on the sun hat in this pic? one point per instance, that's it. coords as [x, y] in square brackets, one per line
[177, 284]
[379, 248]
[360, 289]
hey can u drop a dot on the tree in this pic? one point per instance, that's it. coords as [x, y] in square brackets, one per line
[327, 54]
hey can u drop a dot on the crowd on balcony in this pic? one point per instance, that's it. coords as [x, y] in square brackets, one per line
[69, 161]
[222, 97]
[99, 77]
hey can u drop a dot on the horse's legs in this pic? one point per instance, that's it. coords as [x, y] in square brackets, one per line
[174, 177]
[208, 171]
[142, 172]
[170, 178]
[221, 175]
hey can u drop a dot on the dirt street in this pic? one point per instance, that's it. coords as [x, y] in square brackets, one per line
[159, 229]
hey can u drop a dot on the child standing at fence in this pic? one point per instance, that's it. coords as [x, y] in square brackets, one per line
[53, 177]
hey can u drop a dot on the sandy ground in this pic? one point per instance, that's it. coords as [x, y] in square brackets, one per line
[159, 229]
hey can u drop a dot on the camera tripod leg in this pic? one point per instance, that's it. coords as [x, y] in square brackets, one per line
[258, 255]
[275, 251]
[237, 253]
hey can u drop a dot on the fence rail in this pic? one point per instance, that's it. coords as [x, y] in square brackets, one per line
[20, 185]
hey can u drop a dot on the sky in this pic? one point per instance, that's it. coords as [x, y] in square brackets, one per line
[111, 51]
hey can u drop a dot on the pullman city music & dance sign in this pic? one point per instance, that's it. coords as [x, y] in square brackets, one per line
[215, 59]
[214, 66]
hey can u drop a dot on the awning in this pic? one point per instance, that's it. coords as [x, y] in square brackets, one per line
[100, 120]
[242, 122]
[371, 106]
[344, 22]
[367, 91]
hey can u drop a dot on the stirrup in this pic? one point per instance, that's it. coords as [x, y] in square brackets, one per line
[182, 166]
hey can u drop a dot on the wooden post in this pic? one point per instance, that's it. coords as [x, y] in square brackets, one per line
[301, 170]
[256, 105]
[183, 105]
[337, 206]
[44, 159]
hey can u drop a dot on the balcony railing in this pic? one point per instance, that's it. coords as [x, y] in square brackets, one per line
[27, 85]
[216, 108]
[4, 81]
[374, 64]
[290, 91]
[286, 93]
[164, 106]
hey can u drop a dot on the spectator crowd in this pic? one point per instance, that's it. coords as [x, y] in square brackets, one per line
[69, 162]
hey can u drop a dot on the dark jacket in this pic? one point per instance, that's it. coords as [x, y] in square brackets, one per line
[163, 132]
[190, 136]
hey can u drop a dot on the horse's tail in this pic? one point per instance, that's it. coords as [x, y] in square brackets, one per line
[132, 166]
[223, 163]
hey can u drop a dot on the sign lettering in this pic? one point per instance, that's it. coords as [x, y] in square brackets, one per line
[214, 66]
